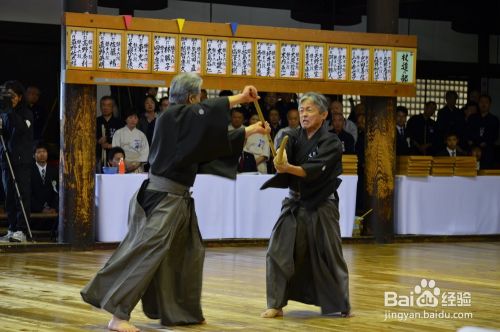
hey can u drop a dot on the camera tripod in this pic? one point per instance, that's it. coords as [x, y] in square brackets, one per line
[15, 182]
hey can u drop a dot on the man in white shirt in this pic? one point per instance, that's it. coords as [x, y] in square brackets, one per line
[133, 142]
[258, 146]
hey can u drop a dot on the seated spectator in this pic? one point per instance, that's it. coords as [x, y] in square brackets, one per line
[116, 154]
[476, 152]
[258, 146]
[293, 123]
[44, 183]
[237, 119]
[402, 140]
[421, 130]
[345, 138]
[452, 149]
[133, 142]
[336, 107]
[148, 120]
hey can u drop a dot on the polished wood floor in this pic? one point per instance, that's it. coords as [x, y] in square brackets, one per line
[40, 291]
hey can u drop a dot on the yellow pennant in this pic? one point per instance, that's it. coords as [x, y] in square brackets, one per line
[180, 23]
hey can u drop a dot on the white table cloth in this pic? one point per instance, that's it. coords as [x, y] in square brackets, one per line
[447, 205]
[220, 205]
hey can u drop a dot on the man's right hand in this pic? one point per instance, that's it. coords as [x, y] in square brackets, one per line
[257, 128]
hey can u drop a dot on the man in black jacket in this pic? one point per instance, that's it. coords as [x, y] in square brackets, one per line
[44, 183]
[17, 124]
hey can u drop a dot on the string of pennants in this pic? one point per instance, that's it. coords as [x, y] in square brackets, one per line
[169, 53]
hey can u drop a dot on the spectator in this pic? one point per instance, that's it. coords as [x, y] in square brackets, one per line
[402, 140]
[258, 147]
[421, 130]
[449, 119]
[236, 119]
[133, 142]
[467, 139]
[336, 107]
[484, 133]
[477, 153]
[44, 183]
[452, 149]
[115, 154]
[355, 111]
[148, 120]
[274, 122]
[106, 124]
[293, 123]
[345, 138]
[204, 95]
[17, 131]
[39, 114]
[163, 104]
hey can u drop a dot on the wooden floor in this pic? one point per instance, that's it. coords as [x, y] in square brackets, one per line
[40, 291]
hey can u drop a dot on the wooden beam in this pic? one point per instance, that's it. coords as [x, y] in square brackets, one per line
[270, 85]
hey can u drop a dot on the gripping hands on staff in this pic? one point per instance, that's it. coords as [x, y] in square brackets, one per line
[249, 95]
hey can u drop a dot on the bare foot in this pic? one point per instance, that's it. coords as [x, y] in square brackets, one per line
[271, 313]
[120, 325]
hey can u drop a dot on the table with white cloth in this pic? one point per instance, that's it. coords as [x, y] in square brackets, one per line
[447, 205]
[225, 208]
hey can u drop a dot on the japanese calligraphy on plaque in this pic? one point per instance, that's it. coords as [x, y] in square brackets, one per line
[216, 56]
[289, 60]
[190, 54]
[164, 53]
[337, 62]
[109, 49]
[265, 54]
[360, 63]
[80, 48]
[382, 64]
[405, 66]
[314, 59]
[138, 51]
[241, 57]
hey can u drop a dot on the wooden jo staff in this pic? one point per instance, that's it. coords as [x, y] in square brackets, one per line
[261, 118]
[279, 157]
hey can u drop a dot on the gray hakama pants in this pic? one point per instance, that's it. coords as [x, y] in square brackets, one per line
[160, 261]
[304, 260]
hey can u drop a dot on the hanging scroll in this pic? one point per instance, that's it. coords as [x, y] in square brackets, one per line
[216, 56]
[405, 66]
[290, 60]
[137, 51]
[164, 53]
[360, 63]
[80, 48]
[190, 54]
[314, 61]
[241, 57]
[265, 58]
[337, 62]
[382, 64]
[109, 49]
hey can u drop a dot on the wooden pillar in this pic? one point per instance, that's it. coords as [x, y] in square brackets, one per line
[380, 150]
[77, 170]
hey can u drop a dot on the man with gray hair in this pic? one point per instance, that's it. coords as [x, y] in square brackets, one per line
[160, 261]
[304, 260]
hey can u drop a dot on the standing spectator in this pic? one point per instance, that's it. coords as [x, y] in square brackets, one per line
[402, 141]
[336, 107]
[17, 131]
[39, 113]
[44, 182]
[274, 122]
[345, 137]
[293, 123]
[485, 131]
[148, 120]
[449, 119]
[421, 130]
[467, 139]
[133, 142]
[163, 104]
[107, 124]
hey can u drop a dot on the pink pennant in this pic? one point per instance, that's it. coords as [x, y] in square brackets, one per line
[128, 21]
